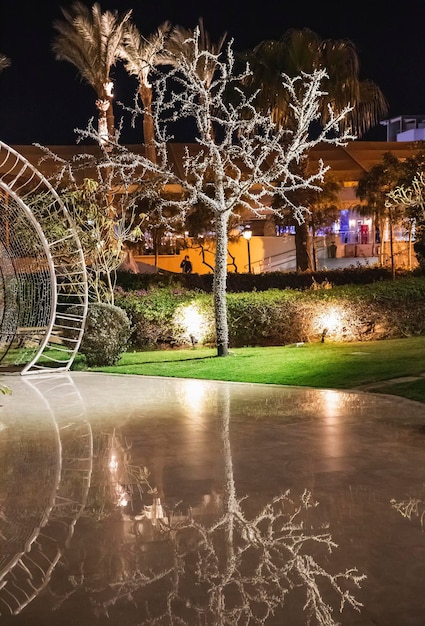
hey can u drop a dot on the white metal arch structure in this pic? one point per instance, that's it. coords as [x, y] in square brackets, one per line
[42, 272]
[38, 518]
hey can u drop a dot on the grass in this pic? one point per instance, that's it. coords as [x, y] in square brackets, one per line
[322, 365]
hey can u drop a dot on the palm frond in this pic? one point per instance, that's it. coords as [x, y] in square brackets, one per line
[140, 54]
[90, 40]
[4, 62]
[303, 51]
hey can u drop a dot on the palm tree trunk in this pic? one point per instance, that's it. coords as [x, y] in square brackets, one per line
[148, 124]
[110, 121]
[106, 120]
[220, 279]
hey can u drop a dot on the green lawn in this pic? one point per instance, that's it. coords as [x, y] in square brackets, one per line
[324, 365]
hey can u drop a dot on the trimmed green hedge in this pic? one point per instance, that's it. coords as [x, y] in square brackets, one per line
[353, 275]
[281, 316]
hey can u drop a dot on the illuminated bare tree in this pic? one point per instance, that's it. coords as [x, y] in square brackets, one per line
[410, 196]
[243, 157]
[239, 567]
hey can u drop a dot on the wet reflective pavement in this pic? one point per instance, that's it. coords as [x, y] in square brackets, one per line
[137, 500]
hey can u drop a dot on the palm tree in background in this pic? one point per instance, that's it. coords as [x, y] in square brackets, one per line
[301, 51]
[140, 56]
[90, 40]
[181, 45]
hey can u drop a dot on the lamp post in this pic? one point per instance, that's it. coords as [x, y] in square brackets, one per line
[247, 234]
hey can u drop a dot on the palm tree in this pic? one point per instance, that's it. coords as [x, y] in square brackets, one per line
[140, 55]
[90, 40]
[375, 187]
[301, 51]
[181, 43]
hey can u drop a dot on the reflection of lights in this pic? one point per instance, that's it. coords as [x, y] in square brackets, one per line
[122, 496]
[333, 440]
[154, 511]
[124, 500]
[193, 395]
[113, 463]
[332, 403]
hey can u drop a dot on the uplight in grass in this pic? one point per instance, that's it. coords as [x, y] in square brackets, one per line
[192, 321]
[330, 322]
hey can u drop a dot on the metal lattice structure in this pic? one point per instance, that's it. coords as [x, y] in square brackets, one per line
[39, 517]
[42, 272]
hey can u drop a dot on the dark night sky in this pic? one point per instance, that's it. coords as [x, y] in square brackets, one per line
[43, 100]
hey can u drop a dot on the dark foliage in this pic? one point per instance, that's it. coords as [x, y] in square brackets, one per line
[360, 275]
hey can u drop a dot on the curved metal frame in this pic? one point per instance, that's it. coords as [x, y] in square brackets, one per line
[21, 182]
[24, 574]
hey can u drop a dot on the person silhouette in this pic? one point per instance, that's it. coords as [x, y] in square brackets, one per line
[186, 265]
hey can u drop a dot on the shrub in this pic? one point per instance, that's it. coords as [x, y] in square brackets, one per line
[106, 334]
[263, 318]
[281, 316]
[355, 274]
[151, 314]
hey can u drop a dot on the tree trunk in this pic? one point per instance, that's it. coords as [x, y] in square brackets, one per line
[220, 279]
[156, 240]
[111, 119]
[106, 120]
[148, 125]
[313, 245]
[381, 256]
[302, 242]
[390, 220]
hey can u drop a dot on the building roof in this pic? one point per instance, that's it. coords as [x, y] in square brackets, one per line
[347, 163]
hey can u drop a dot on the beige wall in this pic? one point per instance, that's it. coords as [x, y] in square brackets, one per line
[266, 253]
[278, 254]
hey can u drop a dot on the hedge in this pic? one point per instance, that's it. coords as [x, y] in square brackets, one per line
[281, 316]
[353, 275]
